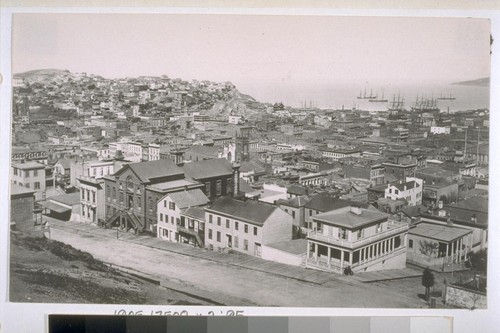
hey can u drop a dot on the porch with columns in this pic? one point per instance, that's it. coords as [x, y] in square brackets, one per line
[333, 258]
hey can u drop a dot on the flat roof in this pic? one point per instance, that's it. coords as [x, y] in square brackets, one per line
[439, 232]
[54, 207]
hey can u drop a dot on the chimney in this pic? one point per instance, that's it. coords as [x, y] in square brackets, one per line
[355, 210]
[236, 179]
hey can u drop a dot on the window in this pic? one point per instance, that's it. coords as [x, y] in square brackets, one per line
[207, 189]
[255, 231]
[172, 219]
[360, 233]
[218, 236]
[15, 171]
[218, 220]
[236, 245]
[83, 194]
[161, 217]
[310, 212]
[37, 185]
[218, 188]
[209, 218]
[396, 192]
[26, 173]
[35, 173]
[139, 202]
[245, 245]
[293, 214]
[209, 233]
[246, 228]
[27, 185]
[93, 197]
[150, 202]
[410, 243]
[165, 203]
[342, 233]
[235, 225]
[286, 210]
[171, 205]
[228, 224]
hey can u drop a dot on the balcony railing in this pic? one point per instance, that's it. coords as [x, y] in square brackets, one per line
[393, 229]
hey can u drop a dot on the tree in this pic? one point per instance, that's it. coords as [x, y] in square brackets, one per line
[427, 282]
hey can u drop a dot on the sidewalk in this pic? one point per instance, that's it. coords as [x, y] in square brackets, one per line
[238, 259]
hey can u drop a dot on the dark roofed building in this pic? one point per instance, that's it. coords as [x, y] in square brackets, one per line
[245, 226]
[132, 193]
[218, 176]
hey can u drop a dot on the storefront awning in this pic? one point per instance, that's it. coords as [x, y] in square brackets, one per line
[54, 207]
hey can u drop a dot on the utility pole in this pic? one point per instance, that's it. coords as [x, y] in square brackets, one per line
[465, 148]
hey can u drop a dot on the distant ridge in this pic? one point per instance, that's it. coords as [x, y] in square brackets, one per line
[483, 82]
[48, 71]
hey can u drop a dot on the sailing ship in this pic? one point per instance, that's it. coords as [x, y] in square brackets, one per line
[378, 100]
[397, 105]
[364, 96]
[446, 98]
[423, 104]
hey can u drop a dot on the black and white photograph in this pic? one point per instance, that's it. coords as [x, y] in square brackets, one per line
[310, 161]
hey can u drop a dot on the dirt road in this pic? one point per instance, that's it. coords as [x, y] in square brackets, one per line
[228, 284]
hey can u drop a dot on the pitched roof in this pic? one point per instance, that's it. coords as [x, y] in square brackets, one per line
[65, 163]
[251, 211]
[253, 165]
[475, 203]
[208, 151]
[294, 202]
[146, 171]
[346, 218]
[297, 189]
[208, 168]
[325, 202]
[195, 212]
[189, 198]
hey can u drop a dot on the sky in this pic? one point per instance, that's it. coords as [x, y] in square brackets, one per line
[258, 53]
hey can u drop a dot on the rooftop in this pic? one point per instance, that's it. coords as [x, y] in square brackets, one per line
[325, 202]
[439, 232]
[185, 199]
[29, 165]
[67, 199]
[164, 186]
[208, 168]
[146, 171]
[251, 211]
[19, 190]
[195, 212]
[346, 218]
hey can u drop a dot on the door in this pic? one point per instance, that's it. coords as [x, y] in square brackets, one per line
[258, 250]
[229, 240]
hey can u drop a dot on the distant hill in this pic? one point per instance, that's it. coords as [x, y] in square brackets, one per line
[42, 72]
[484, 82]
